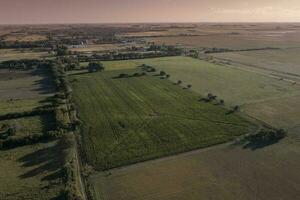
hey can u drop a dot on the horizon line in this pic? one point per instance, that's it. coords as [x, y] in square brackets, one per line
[147, 22]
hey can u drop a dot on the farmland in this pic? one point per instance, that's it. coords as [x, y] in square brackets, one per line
[31, 172]
[150, 111]
[220, 173]
[14, 54]
[233, 36]
[281, 61]
[134, 119]
[23, 90]
[241, 86]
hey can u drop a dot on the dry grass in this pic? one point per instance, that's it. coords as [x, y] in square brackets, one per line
[226, 172]
[282, 112]
[285, 61]
[13, 54]
[25, 38]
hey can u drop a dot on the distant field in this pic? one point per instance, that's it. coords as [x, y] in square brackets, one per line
[116, 65]
[31, 172]
[134, 119]
[13, 54]
[238, 37]
[233, 85]
[25, 38]
[286, 61]
[220, 173]
[283, 112]
[104, 47]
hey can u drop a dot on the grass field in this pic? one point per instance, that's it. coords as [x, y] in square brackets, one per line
[23, 90]
[18, 105]
[225, 172]
[233, 85]
[31, 172]
[282, 112]
[285, 61]
[139, 118]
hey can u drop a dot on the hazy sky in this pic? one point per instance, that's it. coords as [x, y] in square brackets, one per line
[98, 11]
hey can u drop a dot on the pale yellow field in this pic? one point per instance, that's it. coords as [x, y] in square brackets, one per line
[13, 54]
[220, 173]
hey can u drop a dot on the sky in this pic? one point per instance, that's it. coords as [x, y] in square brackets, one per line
[123, 11]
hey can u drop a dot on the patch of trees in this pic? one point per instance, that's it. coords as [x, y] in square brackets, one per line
[7, 130]
[124, 56]
[267, 136]
[69, 62]
[222, 50]
[95, 67]
[24, 64]
[69, 171]
[24, 44]
[62, 50]
[234, 109]
[147, 68]
[136, 74]
[210, 97]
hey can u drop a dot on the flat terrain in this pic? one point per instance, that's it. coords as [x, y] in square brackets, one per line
[31, 172]
[220, 173]
[234, 85]
[23, 90]
[230, 36]
[128, 120]
[282, 61]
[14, 54]
[283, 112]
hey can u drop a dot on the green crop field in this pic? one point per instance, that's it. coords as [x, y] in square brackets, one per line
[133, 119]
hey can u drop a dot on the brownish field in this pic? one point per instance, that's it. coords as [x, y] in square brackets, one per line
[224, 172]
[281, 113]
[24, 85]
[13, 54]
[234, 36]
[24, 37]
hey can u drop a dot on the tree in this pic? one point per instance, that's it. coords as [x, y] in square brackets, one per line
[95, 67]
[168, 76]
[62, 50]
[222, 102]
[162, 73]
[179, 82]
[189, 86]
